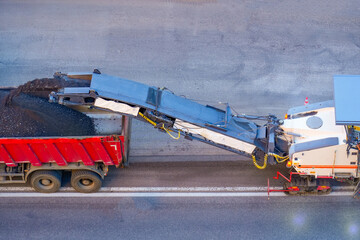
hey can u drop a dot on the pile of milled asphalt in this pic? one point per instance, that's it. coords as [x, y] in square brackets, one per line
[30, 116]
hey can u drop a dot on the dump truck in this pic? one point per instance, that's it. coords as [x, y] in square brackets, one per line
[42, 161]
[318, 142]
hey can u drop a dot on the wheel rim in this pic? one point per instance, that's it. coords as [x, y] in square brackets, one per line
[46, 183]
[86, 182]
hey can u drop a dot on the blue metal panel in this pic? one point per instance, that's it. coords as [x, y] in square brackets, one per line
[120, 89]
[346, 99]
[135, 93]
[310, 107]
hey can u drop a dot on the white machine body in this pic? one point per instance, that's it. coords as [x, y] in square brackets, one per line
[317, 146]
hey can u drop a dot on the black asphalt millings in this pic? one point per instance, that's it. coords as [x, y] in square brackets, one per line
[43, 84]
[29, 116]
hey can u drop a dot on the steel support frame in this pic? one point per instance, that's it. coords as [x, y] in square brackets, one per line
[126, 123]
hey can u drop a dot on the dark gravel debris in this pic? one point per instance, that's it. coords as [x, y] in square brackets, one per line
[30, 116]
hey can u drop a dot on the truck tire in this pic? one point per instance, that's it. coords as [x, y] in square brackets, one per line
[85, 181]
[46, 181]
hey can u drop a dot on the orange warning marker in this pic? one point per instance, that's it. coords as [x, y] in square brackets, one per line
[306, 101]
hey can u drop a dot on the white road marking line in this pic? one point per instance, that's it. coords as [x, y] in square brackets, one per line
[151, 189]
[202, 189]
[137, 194]
[169, 189]
[185, 189]
[153, 194]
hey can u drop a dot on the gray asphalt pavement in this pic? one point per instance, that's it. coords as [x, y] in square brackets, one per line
[180, 218]
[260, 56]
[191, 173]
[186, 174]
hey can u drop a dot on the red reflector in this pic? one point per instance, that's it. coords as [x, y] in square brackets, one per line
[294, 188]
[288, 164]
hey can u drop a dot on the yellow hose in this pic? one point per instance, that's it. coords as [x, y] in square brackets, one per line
[277, 157]
[147, 119]
[163, 126]
[168, 132]
[257, 165]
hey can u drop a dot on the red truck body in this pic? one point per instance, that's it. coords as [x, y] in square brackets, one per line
[62, 150]
[42, 161]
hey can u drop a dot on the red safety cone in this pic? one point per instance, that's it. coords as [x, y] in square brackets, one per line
[306, 101]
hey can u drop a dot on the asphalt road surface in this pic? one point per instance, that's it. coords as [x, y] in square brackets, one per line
[180, 218]
[260, 56]
[186, 174]
[179, 200]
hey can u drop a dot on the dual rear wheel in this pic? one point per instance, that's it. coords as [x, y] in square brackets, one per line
[46, 181]
[50, 181]
[85, 181]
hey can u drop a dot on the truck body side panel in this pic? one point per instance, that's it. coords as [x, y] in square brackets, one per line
[62, 150]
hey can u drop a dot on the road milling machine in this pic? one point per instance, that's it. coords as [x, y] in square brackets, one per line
[318, 142]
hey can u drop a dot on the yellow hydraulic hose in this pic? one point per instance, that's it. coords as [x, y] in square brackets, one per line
[257, 165]
[278, 159]
[163, 126]
[168, 132]
[147, 119]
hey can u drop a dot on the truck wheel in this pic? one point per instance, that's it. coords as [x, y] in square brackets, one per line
[46, 181]
[85, 181]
